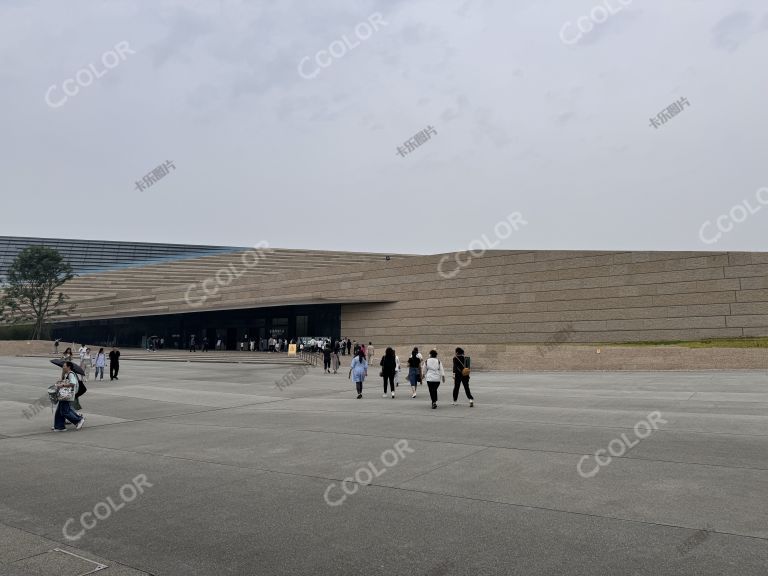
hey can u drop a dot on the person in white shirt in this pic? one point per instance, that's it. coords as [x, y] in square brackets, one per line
[397, 370]
[101, 362]
[434, 375]
[64, 409]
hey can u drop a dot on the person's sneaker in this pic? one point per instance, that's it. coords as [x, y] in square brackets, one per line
[471, 403]
[359, 396]
[384, 395]
[414, 395]
[393, 394]
[455, 403]
[80, 424]
[434, 405]
[58, 429]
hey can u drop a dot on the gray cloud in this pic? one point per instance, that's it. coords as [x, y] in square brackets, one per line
[525, 122]
[732, 30]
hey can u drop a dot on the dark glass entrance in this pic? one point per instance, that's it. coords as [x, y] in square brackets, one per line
[231, 326]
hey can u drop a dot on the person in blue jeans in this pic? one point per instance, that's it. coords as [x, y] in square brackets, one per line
[414, 370]
[64, 410]
[358, 371]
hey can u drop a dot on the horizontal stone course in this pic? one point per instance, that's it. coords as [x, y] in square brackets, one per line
[501, 296]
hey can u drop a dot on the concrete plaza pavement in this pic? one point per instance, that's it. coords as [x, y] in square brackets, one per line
[240, 473]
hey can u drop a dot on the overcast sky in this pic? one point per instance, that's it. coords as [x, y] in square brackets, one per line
[529, 115]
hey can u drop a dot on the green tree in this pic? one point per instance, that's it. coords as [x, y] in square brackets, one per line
[30, 294]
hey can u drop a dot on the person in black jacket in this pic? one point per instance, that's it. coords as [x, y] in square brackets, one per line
[414, 370]
[388, 364]
[327, 359]
[460, 362]
[114, 363]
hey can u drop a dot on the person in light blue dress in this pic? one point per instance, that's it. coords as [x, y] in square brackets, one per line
[358, 372]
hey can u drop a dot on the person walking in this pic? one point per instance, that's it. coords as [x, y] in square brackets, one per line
[205, 344]
[56, 347]
[101, 362]
[369, 351]
[193, 343]
[388, 365]
[68, 388]
[66, 357]
[397, 370]
[85, 364]
[421, 360]
[335, 361]
[349, 346]
[114, 363]
[358, 371]
[461, 376]
[327, 359]
[414, 371]
[434, 375]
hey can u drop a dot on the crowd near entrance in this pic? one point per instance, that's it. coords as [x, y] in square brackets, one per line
[220, 330]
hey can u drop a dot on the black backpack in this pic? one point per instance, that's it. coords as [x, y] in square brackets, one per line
[81, 388]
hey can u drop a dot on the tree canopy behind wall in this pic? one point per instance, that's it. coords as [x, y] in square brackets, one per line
[30, 293]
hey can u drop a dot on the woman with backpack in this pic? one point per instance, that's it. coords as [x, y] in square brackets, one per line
[68, 389]
[414, 371]
[388, 365]
[358, 371]
[434, 375]
[461, 376]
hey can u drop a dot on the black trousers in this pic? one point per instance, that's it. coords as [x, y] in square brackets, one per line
[458, 380]
[114, 368]
[359, 386]
[433, 386]
[326, 363]
[391, 378]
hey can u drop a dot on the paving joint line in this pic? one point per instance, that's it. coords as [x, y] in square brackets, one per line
[397, 487]
[480, 447]
[442, 466]
[52, 541]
